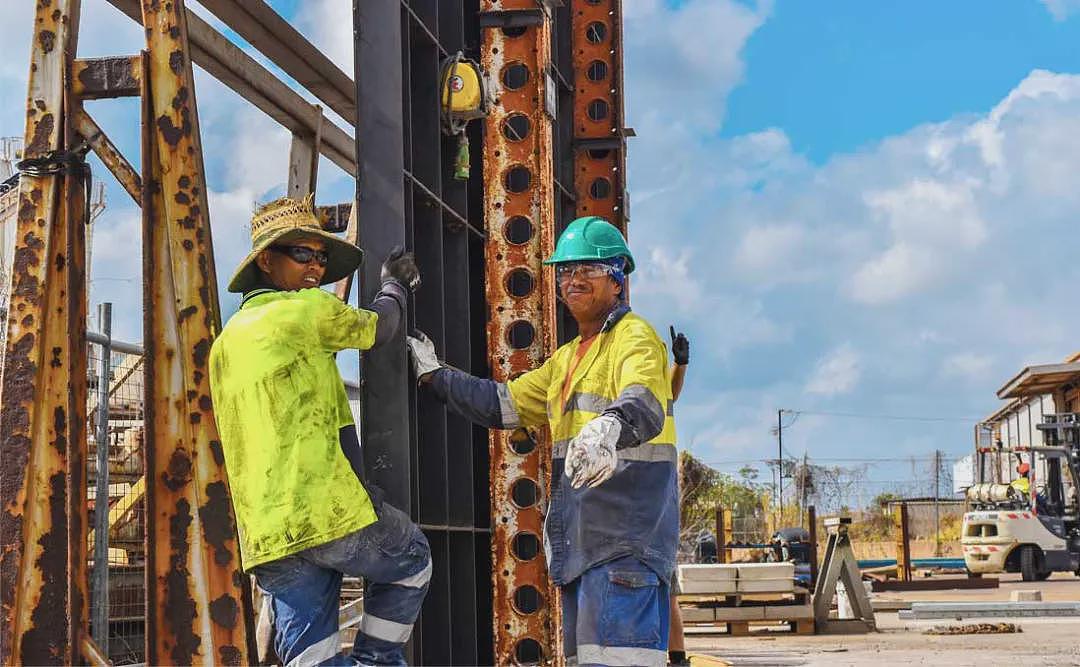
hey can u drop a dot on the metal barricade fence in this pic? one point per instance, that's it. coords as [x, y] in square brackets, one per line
[115, 468]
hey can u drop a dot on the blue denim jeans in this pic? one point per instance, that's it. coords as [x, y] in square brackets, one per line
[392, 556]
[616, 613]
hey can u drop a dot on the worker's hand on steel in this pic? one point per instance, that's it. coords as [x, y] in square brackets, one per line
[680, 348]
[422, 355]
[401, 266]
[591, 457]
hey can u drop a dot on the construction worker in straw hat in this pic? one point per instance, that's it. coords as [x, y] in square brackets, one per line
[304, 512]
[612, 523]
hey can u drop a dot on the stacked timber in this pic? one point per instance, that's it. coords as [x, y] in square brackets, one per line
[738, 594]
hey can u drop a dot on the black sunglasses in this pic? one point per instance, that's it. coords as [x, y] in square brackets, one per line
[302, 255]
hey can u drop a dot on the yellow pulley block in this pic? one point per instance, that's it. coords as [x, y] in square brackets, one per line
[464, 97]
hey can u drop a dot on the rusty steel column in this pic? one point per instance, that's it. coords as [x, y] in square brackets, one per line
[42, 599]
[519, 219]
[599, 139]
[197, 608]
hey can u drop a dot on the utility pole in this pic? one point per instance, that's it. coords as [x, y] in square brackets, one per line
[937, 493]
[780, 462]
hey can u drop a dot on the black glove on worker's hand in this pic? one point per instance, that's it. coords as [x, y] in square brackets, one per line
[680, 348]
[400, 266]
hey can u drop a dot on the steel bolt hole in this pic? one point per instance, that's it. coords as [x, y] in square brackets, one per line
[600, 188]
[518, 179]
[525, 493]
[596, 32]
[515, 31]
[598, 110]
[521, 335]
[516, 127]
[599, 153]
[518, 230]
[519, 283]
[515, 76]
[527, 652]
[527, 599]
[526, 546]
[521, 442]
[597, 70]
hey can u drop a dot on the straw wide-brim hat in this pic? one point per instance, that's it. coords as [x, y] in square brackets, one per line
[289, 219]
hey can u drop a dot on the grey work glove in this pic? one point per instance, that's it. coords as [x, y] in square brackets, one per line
[422, 355]
[591, 456]
[401, 266]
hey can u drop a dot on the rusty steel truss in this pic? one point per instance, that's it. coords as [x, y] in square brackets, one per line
[552, 148]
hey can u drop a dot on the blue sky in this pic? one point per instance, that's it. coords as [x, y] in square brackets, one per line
[850, 207]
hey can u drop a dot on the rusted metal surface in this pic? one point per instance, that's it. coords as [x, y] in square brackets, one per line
[92, 653]
[197, 611]
[519, 217]
[39, 604]
[109, 154]
[100, 78]
[599, 141]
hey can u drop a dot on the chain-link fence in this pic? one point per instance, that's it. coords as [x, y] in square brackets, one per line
[115, 423]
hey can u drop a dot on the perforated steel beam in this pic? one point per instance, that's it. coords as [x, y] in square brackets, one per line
[520, 232]
[599, 137]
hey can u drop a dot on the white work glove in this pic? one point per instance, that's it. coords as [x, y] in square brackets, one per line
[422, 354]
[591, 457]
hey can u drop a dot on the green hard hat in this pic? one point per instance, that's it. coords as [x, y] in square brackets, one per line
[591, 238]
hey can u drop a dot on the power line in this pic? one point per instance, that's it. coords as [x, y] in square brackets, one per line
[900, 459]
[912, 418]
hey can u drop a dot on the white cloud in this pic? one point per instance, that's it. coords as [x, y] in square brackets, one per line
[930, 223]
[968, 366]
[836, 373]
[328, 24]
[1061, 9]
[695, 49]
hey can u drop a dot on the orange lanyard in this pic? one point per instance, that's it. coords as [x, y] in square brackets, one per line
[583, 348]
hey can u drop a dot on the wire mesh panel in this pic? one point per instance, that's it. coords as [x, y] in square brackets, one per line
[124, 570]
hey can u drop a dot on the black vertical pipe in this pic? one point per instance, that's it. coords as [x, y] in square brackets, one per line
[385, 420]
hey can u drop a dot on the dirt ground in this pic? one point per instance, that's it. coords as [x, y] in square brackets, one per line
[1043, 641]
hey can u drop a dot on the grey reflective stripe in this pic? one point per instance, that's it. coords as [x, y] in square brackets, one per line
[646, 399]
[320, 651]
[650, 452]
[508, 413]
[571, 660]
[380, 628]
[671, 407]
[558, 449]
[417, 580]
[594, 654]
[586, 402]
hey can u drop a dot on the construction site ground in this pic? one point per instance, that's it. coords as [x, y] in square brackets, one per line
[1043, 641]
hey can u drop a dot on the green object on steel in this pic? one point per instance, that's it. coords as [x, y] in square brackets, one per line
[591, 238]
[462, 162]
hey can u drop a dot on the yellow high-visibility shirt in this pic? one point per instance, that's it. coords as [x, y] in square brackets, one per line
[1022, 486]
[279, 403]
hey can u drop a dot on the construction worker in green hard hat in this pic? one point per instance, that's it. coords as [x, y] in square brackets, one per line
[612, 524]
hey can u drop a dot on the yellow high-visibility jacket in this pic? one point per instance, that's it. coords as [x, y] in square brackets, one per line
[279, 403]
[624, 373]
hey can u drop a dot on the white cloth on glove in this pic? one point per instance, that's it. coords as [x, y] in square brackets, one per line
[591, 457]
[422, 355]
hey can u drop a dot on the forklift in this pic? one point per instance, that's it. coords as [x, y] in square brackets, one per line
[1037, 532]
